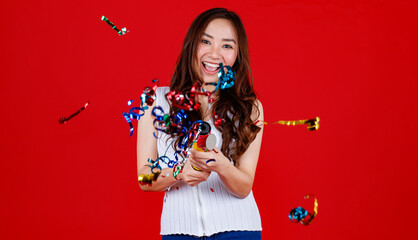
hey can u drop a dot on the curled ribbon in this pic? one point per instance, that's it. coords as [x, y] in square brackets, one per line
[164, 122]
[187, 101]
[133, 115]
[297, 214]
[180, 124]
[156, 163]
[301, 215]
[177, 169]
[147, 99]
[226, 80]
[148, 95]
[218, 120]
[161, 121]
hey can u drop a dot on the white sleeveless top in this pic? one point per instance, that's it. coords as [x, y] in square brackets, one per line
[207, 208]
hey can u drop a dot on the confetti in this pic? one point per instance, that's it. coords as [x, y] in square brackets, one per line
[226, 80]
[121, 32]
[311, 124]
[65, 120]
[210, 160]
[297, 214]
[133, 115]
[301, 215]
[179, 125]
[187, 101]
[147, 99]
[177, 169]
[148, 178]
[156, 163]
[218, 120]
[148, 94]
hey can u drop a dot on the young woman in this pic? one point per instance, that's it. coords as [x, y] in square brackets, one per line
[217, 201]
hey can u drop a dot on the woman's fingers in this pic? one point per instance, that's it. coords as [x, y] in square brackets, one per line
[197, 165]
[193, 177]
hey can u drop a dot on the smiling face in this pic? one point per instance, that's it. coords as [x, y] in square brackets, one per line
[218, 44]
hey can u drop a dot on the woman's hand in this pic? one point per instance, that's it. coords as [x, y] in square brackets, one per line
[191, 176]
[213, 160]
[238, 178]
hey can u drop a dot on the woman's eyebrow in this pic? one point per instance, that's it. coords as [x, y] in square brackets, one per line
[223, 39]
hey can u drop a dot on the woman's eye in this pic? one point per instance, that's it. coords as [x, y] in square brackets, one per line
[227, 46]
[205, 41]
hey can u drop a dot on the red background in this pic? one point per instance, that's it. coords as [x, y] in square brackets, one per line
[352, 63]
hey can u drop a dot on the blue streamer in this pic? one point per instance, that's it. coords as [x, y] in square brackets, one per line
[128, 120]
[297, 214]
[226, 80]
[133, 115]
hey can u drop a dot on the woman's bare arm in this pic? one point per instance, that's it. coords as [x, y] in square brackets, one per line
[238, 179]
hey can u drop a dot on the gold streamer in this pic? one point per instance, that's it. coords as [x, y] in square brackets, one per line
[311, 124]
[148, 178]
[307, 221]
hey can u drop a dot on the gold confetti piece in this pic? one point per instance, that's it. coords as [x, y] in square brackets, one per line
[311, 124]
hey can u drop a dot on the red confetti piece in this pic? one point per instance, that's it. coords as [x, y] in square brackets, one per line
[64, 119]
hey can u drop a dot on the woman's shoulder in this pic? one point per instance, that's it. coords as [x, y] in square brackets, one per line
[162, 90]
[161, 101]
[258, 105]
[258, 112]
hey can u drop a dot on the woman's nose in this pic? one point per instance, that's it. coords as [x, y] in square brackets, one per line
[214, 52]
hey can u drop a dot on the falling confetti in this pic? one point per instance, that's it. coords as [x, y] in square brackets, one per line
[301, 215]
[65, 120]
[148, 178]
[121, 32]
[311, 124]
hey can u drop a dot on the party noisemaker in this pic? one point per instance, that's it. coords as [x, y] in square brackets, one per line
[205, 141]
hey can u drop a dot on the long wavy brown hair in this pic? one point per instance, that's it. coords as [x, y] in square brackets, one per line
[236, 105]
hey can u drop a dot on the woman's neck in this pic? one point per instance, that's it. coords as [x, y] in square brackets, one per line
[205, 107]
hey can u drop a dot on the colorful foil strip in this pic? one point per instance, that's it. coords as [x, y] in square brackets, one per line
[301, 215]
[297, 214]
[148, 94]
[65, 120]
[156, 163]
[226, 80]
[121, 32]
[133, 115]
[148, 178]
[187, 101]
[166, 123]
[147, 99]
[179, 125]
[217, 120]
[311, 124]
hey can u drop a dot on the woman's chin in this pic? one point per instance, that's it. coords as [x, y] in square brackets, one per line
[210, 79]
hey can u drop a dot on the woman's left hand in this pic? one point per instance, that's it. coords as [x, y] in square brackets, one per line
[213, 160]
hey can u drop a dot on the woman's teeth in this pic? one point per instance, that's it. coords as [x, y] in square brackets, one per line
[210, 66]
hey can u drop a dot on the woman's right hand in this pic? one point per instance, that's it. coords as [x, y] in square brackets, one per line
[192, 176]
